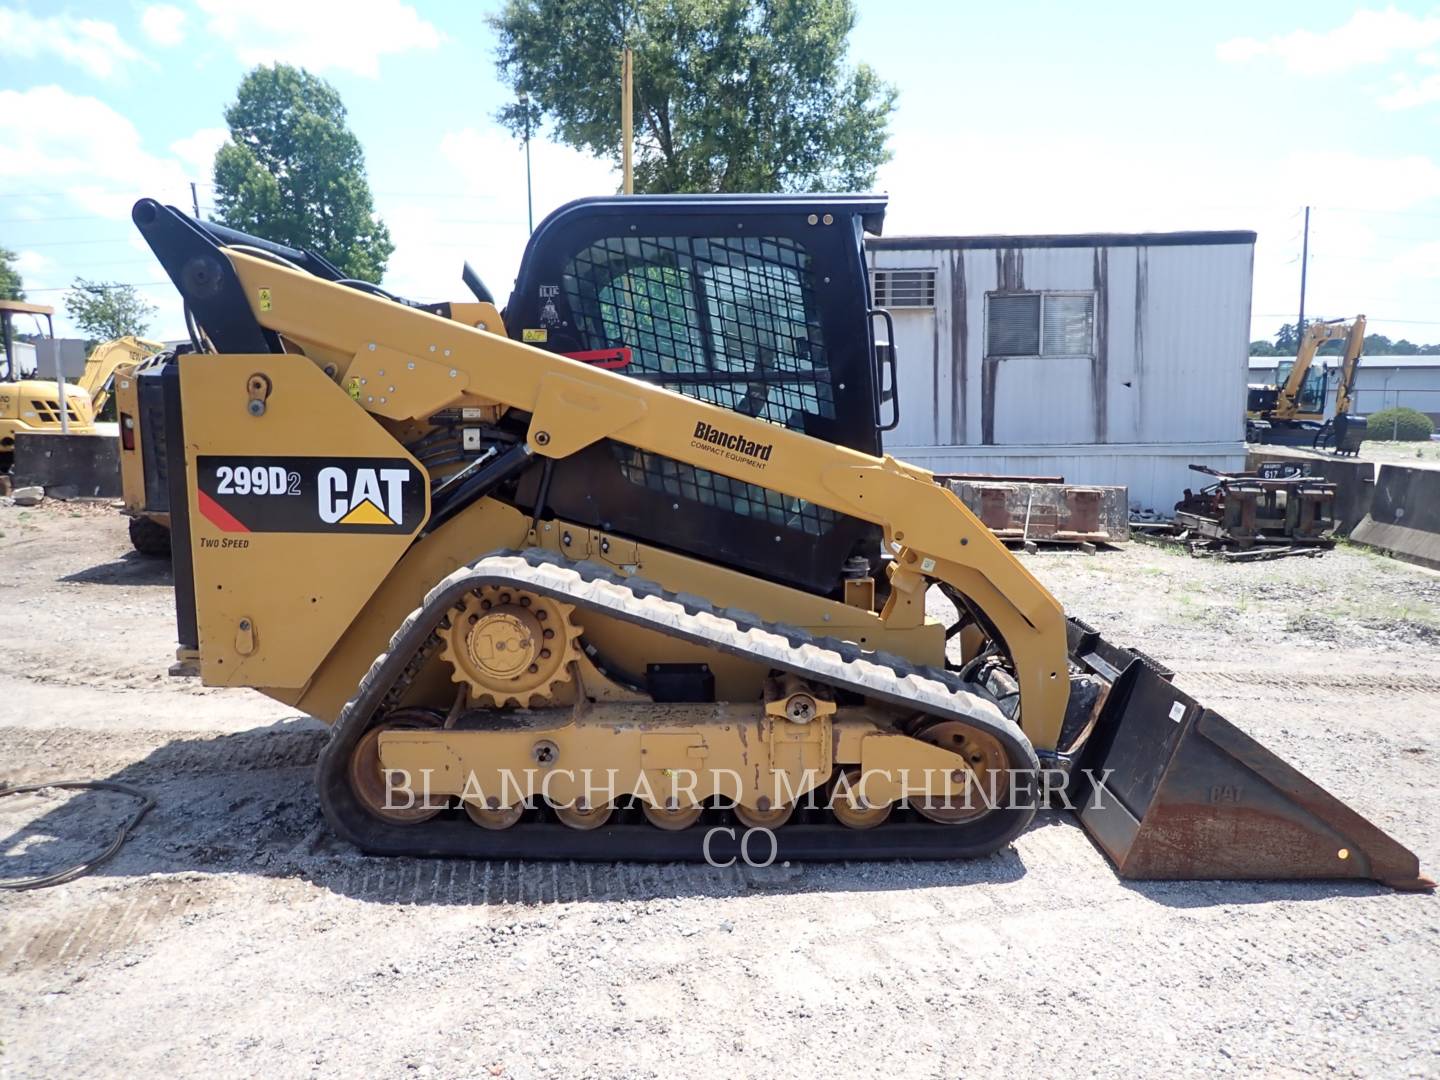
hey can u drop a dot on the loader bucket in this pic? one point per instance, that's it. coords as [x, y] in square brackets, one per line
[1169, 790]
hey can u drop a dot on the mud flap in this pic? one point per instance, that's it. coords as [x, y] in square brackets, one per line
[1169, 789]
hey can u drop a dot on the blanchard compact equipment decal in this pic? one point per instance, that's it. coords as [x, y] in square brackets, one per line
[311, 494]
[727, 444]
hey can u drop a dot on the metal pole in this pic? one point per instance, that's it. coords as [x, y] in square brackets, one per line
[195, 200]
[529, 196]
[60, 383]
[627, 131]
[1304, 265]
[9, 334]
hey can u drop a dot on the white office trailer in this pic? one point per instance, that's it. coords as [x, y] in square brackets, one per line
[1102, 358]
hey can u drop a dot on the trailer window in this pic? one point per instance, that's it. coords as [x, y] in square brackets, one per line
[903, 288]
[1040, 324]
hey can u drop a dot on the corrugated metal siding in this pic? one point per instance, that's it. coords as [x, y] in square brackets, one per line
[1164, 386]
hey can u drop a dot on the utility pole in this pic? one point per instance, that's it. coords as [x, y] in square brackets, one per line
[627, 131]
[529, 196]
[1304, 265]
[195, 200]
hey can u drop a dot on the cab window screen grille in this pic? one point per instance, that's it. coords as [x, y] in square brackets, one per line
[706, 310]
[678, 480]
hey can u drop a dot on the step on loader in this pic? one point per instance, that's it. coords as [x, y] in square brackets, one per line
[622, 571]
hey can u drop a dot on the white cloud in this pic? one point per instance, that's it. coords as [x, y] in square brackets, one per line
[1370, 37]
[197, 151]
[92, 157]
[91, 44]
[33, 262]
[163, 24]
[1124, 187]
[50, 137]
[321, 35]
[1410, 93]
[433, 237]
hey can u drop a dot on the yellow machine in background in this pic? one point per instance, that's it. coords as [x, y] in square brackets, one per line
[31, 405]
[1293, 412]
[105, 360]
[624, 572]
[149, 529]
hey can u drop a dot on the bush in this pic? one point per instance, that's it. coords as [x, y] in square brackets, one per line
[1402, 424]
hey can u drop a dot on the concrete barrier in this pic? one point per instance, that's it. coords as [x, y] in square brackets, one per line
[69, 466]
[1404, 519]
[1354, 480]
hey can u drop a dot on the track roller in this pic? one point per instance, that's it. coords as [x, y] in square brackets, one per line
[849, 805]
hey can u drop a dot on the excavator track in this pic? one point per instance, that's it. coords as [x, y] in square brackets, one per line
[812, 834]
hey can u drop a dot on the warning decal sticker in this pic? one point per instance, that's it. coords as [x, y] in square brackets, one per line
[311, 494]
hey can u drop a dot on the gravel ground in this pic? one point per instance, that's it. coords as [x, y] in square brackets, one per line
[234, 935]
[1422, 454]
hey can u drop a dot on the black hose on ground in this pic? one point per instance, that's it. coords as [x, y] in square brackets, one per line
[70, 873]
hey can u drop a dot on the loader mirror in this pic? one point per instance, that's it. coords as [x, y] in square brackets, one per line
[476, 286]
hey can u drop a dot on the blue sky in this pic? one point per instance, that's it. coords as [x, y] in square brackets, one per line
[1019, 117]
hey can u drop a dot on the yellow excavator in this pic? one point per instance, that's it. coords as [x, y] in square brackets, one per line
[1292, 413]
[623, 572]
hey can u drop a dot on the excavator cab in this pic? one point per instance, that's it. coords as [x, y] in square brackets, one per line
[1311, 396]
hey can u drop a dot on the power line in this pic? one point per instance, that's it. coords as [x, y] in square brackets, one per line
[99, 285]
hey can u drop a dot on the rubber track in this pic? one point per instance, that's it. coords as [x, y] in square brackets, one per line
[591, 587]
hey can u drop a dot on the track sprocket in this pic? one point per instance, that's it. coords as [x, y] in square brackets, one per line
[511, 646]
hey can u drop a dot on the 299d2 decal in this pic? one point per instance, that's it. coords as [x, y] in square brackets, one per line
[311, 494]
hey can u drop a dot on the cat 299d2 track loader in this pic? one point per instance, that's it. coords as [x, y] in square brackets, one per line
[622, 572]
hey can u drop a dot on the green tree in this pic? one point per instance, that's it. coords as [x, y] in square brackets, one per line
[11, 287]
[105, 310]
[1287, 340]
[293, 172]
[729, 95]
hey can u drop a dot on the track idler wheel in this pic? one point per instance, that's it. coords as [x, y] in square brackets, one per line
[985, 765]
[367, 778]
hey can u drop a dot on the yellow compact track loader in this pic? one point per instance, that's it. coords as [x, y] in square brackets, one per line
[623, 572]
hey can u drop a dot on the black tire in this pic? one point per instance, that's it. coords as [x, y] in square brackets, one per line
[150, 537]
